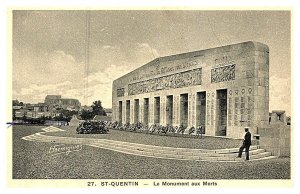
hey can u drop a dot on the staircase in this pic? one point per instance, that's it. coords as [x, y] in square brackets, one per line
[217, 155]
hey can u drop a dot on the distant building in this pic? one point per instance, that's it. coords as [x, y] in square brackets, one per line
[40, 107]
[18, 112]
[52, 107]
[31, 111]
[56, 101]
[108, 112]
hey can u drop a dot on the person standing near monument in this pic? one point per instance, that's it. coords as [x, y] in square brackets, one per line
[246, 144]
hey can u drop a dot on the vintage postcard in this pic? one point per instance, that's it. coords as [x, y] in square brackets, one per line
[105, 98]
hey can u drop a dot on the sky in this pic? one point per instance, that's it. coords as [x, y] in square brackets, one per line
[49, 47]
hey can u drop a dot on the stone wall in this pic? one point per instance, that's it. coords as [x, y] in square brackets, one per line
[242, 70]
[276, 138]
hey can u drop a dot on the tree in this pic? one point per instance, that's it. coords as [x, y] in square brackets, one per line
[17, 103]
[98, 109]
[86, 114]
[67, 114]
[14, 115]
[24, 118]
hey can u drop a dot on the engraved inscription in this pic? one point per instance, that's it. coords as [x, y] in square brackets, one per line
[158, 68]
[178, 80]
[224, 73]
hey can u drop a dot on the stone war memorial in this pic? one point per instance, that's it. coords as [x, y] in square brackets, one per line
[223, 89]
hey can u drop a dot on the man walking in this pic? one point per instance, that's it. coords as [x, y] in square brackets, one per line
[246, 144]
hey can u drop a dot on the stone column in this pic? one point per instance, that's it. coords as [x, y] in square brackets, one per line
[141, 110]
[163, 110]
[176, 113]
[283, 118]
[151, 111]
[124, 112]
[191, 110]
[131, 111]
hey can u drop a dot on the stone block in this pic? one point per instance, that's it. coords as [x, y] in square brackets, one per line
[287, 134]
[265, 141]
[261, 74]
[272, 133]
[281, 141]
[284, 152]
[249, 74]
[287, 143]
[261, 105]
[248, 67]
[261, 59]
[261, 66]
[249, 60]
[250, 81]
[259, 81]
[274, 151]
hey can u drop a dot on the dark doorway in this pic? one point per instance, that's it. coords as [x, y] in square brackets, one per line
[184, 110]
[136, 110]
[221, 122]
[157, 110]
[146, 111]
[120, 111]
[127, 111]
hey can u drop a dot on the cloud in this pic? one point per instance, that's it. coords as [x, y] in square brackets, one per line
[280, 94]
[145, 48]
[57, 72]
[45, 68]
[108, 47]
[100, 84]
[99, 88]
[60, 64]
[37, 93]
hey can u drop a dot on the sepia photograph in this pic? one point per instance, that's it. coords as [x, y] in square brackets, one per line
[182, 97]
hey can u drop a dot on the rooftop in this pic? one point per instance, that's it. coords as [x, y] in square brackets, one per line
[204, 52]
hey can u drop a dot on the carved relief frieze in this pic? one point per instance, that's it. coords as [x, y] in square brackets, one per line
[178, 80]
[120, 92]
[224, 73]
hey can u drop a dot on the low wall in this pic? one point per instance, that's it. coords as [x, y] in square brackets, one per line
[276, 138]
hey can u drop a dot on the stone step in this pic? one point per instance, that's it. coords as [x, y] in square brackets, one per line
[251, 152]
[67, 140]
[200, 156]
[165, 155]
[234, 150]
[186, 151]
[52, 129]
[155, 151]
[261, 155]
[179, 150]
[264, 158]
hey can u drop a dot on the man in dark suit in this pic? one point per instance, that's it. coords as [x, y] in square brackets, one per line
[246, 144]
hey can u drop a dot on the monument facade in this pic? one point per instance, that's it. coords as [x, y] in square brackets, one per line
[223, 89]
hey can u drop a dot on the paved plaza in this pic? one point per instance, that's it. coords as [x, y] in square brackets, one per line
[36, 159]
